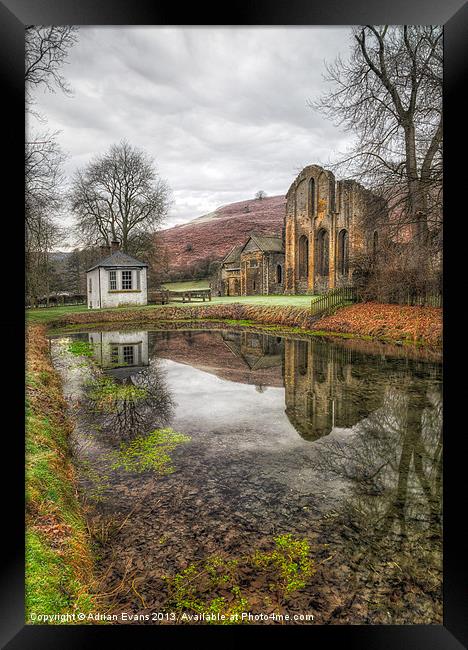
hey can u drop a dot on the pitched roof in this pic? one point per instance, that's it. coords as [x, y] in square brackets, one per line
[233, 257]
[267, 243]
[118, 258]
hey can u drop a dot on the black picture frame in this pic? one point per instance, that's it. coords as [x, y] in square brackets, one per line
[453, 14]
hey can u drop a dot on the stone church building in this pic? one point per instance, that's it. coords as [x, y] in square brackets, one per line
[257, 267]
[327, 224]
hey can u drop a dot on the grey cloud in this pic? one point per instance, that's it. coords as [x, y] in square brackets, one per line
[223, 111]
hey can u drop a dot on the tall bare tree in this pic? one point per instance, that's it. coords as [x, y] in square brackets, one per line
[389, 94]
[119, 195]
[46, 52]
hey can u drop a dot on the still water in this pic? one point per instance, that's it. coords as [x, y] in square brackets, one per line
[337, 443]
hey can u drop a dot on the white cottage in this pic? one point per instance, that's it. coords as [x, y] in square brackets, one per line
[117, 280]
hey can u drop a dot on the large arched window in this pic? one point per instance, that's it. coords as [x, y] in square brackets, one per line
[311, 198]
[302, 357]
[375, 243]
[343, 252]
[279, 274]
[322, 248]
[303, 257]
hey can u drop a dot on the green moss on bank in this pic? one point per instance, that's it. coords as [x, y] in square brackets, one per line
[59, 561]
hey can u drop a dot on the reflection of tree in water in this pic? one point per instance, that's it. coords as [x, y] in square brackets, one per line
[139, 412]
[390, 528]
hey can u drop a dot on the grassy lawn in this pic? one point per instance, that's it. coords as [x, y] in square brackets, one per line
[45, 315]
[281, 301]
[187, 285]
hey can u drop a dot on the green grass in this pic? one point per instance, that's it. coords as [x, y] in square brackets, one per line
[45, 315]
[59, 562]
[187, 285]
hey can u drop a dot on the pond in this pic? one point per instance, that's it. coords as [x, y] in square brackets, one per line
[299, 476]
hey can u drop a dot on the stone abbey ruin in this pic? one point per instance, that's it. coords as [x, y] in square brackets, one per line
[328, 224]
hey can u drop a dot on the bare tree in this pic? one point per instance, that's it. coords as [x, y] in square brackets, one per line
[119, 195]
[389, 93]
[260, 195]
[46, 51]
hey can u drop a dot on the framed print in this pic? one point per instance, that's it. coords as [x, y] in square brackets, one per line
[242, 407]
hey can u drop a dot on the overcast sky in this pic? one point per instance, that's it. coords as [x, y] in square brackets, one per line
[223, 111]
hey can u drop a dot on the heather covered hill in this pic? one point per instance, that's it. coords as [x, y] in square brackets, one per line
[210, 237]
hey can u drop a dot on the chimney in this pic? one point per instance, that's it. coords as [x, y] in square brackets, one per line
[115, 245]
[104, 248]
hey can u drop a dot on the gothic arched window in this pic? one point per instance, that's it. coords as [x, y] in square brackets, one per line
[303, 257]
[311, 198]
[322, 248]
[343, 252]
[279, 274]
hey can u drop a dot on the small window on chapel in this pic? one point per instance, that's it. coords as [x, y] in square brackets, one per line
[90, 283]
[113, 280]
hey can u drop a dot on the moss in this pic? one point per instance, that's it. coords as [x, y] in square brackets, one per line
[289, 561]
[214, 586]
[81, 348]
[150, 452]
[105, 393]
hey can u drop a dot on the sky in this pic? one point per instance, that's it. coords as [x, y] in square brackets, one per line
[223, 111]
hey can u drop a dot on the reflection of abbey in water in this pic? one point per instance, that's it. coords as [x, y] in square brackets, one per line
[124, 353]
[324, 388]
[326, 385]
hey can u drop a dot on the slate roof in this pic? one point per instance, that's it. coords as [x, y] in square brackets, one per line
[118, 259]
[233, 257]
[268, 243]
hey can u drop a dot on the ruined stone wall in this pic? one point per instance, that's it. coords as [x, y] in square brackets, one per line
[318, 209]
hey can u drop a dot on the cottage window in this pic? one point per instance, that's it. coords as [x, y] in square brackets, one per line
[90, 283]
[112, 280]
[114, 355]
[128, 355]
[126, 279]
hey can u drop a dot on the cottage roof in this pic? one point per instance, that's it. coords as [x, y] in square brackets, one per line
[233, 257]
[118, 259]
[267, 243]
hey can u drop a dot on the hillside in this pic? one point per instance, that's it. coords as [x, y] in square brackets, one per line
[211, 236]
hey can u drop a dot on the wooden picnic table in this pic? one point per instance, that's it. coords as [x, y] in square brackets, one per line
[193, 294]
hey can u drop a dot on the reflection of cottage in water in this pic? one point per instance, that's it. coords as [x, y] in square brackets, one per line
[324, 387]
[125, 352]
